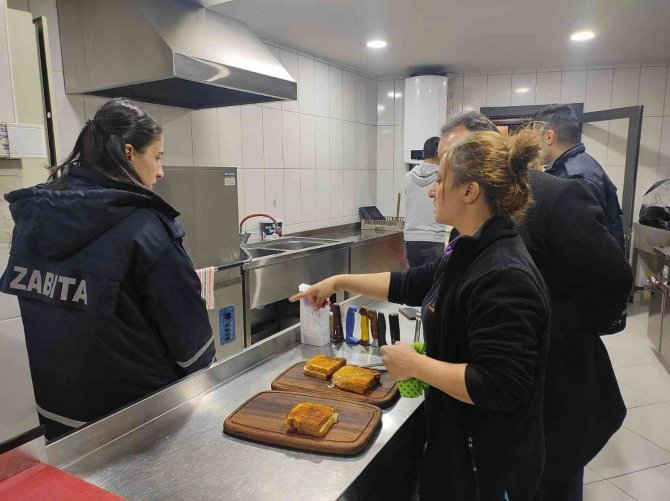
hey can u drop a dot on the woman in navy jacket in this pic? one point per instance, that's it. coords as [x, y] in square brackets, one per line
[109, 299]
[486, 317]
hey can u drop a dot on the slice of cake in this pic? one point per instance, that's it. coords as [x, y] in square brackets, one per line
[356, 379]
[310, 419]
[322, 366]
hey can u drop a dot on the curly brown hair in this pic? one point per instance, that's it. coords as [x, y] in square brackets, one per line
[499, 164]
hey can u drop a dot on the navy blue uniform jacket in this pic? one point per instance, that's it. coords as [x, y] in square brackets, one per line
[575, 163]
[109, 299]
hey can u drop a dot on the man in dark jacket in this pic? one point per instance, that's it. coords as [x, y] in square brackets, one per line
[565, 157]
[109, 299]
[588, 280]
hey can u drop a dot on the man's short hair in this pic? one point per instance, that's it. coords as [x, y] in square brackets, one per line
[472, 121]
[430, 147]
[560, 118]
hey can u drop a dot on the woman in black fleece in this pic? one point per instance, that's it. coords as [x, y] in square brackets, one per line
[486, 323]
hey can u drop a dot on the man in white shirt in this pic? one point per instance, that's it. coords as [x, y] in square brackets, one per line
[424, 238]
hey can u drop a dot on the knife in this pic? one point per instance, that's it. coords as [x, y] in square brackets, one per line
[351, 320]
[372, 316]
[394, 324]
[381, 329]
[338, 332]
[365, 333]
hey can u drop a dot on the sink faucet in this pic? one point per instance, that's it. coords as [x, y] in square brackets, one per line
[244, 235]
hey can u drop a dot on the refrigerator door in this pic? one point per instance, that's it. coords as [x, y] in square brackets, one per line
[206, 197]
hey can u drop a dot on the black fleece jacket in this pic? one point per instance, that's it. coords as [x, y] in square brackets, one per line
[491, 312]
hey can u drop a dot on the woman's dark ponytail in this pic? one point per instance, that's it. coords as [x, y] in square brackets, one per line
[101, 143]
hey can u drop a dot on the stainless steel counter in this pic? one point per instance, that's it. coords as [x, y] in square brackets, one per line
[345, 236]
[645, 239]
[350, 233]
[182, 453]
[280, 265]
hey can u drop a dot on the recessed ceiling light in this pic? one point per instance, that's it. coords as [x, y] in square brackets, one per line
[376, 44]
[522, 90]
[582, 36]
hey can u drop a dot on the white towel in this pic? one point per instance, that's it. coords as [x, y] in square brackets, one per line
[206, 276]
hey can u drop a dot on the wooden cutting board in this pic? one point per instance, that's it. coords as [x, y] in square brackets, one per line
[293, 379]
[261, 418]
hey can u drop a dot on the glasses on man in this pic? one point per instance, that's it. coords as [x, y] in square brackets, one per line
[538, 125]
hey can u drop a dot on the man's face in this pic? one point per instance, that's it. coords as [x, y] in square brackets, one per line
[548, 141]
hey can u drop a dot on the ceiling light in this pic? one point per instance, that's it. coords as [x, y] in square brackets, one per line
[394, 94]
[376, 44]
[582, 36]
[522, 90]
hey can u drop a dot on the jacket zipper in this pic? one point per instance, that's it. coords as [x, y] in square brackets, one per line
[471, 451]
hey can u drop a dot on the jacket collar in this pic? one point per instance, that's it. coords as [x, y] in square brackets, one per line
[468, 248]
[154, 200]
[491, 231]
[559, 161]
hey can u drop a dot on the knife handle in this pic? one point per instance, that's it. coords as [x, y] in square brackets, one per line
[372, 316]
[338, 332]
[381, 329]
[394, 325]
[365, 332]
[351, 320]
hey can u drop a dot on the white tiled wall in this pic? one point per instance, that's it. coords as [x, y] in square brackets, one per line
[326, 131]
[10, 179]
[598, 88]
[390, 173]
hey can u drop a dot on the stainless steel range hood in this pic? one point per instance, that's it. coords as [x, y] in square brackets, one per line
[168, 52]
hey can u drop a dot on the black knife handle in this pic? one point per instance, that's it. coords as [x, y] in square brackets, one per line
[338, 331]
[394, 325]
[381, 329]
[372, 316]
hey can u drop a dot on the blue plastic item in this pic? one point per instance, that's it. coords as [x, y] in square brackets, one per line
[227, 324]
[351, 323]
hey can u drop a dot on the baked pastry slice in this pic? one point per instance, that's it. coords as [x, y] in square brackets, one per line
[356, 379]
[323, 366]
[310, 419]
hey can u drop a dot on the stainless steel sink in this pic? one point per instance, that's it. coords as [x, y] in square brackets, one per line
[295, 243]
[277, 246]
[260, 252]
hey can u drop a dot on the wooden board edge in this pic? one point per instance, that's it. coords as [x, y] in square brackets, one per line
[232, 429]
[381, 403]
[317, 447]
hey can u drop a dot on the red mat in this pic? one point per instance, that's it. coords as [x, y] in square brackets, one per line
[43, 482]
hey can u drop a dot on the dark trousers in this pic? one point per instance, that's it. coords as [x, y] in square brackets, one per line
[419, 253]
[570, 489]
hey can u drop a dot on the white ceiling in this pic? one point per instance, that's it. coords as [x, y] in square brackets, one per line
[462, 35]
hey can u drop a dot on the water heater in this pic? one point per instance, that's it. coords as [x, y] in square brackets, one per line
[425, 113]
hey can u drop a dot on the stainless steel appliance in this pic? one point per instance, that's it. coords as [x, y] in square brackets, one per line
[656, 314]
[206, 197]
[658, 329]
[198, 58]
